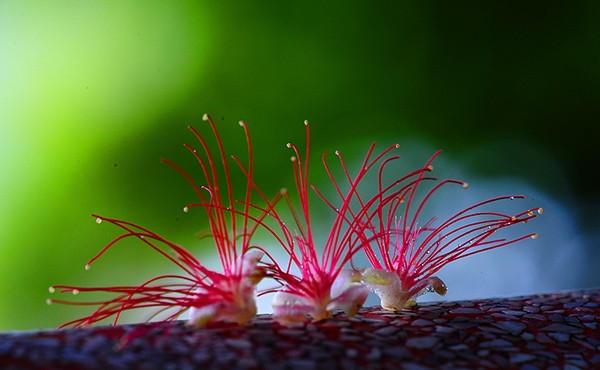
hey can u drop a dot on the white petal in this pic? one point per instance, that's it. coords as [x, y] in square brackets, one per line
[250, 260]
[200, 316]
[290, 308]
[351, 300]
[345, 279]
[387, 286]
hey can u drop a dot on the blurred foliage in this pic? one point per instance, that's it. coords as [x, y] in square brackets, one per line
[93, 93]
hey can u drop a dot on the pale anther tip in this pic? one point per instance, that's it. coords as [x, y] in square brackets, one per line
[305, 122]
[75, 291]
[534, 236]
[186, 209]
[48, 301]
[87, 266]
[51, 289]
[283, 190]
[540, 210]
[430, 168]
[205, 117]
[465, 185]
[289, 145]
[98, 220]
[397, 146]
[293, 158]
[242, 123]
[337, 152]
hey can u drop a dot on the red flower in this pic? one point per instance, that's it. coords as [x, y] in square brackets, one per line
[405, 254]
[209, 295]
[324, 284]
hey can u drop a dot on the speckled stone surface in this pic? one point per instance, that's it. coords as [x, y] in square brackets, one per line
[550, 331]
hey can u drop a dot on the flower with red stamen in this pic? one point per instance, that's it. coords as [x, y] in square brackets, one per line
[405, 255]
[324, 284]
[210, 296]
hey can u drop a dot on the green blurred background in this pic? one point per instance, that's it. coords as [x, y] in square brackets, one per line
[93, 93]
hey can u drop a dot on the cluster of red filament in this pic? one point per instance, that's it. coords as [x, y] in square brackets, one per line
[385, 225]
